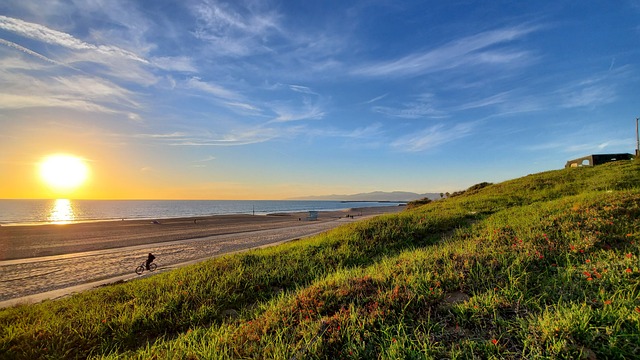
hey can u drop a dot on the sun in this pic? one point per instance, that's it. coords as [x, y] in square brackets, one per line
[63, 172]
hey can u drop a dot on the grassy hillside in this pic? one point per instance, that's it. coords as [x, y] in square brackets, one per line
[545, 266]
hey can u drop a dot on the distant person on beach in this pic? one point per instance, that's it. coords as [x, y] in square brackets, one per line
[149, 260]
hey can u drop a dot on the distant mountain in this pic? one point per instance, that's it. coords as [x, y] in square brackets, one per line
[399, 196]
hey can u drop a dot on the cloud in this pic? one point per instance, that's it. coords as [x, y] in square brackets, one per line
[13, 102]
[376, 99]
[589, 96]
[78, 92]
[30, 52]
[419, 108]
[94, 88]
[471, 50]
[171, 136]
[54, 37]
[595, 90]
[361, 133]
[433, 137]
[235, 137]
[302, 89]
[496, 99]
[210, 88]
[238, 31]
[176, 63]
[207, 159]
[308, 111]
[245, 107]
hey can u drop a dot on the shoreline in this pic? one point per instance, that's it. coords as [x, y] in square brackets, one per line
[259, 212]
[36, 278]
[27, 241]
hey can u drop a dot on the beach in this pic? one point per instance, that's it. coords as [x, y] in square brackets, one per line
[39, 262]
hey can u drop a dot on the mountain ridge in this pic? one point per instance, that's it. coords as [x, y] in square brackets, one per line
[373, 196]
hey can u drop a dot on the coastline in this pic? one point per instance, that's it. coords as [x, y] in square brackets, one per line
[56, 260]
[38, 212]
[27, 241]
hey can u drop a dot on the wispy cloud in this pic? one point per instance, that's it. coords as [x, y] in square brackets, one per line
[496, 99]
[248, 108]
[471, 50]
[302, 89]
[202, 163]
[176, 63]
[376, 99]
[236, 31]
[211, 88]
[578, 145]
[433, 137]
[207, 159]
[308, 111]
[81, 93]
[50, 36]
[234, 137]
[30, 52]
[589, 96]
[421, 107]
[170, 136]
[595, 90]
[367, 132]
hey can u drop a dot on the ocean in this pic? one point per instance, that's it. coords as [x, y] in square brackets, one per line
[63, 211]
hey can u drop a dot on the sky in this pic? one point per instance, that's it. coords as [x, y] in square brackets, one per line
[206, 99]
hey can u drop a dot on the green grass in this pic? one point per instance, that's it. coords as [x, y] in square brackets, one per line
[545, 266]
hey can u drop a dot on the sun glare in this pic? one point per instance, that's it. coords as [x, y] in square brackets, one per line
[63, 172]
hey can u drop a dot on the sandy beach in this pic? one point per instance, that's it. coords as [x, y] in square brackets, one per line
[39, 262]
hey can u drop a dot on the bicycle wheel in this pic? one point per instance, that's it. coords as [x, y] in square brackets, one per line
[140, 269]
[152, 266]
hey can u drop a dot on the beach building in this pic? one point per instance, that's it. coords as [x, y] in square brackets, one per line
[597, 159]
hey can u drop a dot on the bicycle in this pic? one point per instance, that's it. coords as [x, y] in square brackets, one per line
[140, 269]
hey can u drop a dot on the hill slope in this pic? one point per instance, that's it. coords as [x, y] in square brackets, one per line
[544, 266]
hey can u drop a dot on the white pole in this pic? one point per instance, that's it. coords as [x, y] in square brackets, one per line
[637, 139]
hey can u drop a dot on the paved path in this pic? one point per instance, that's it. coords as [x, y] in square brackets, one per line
[36, 279]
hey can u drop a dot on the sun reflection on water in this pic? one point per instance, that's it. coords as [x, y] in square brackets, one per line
[61, 212]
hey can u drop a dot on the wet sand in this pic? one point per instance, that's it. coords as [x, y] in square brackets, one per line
[46, 259]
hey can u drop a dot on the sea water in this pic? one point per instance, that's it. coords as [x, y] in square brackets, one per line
[61, 211]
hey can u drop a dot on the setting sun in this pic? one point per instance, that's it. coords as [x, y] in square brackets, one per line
[63, 172]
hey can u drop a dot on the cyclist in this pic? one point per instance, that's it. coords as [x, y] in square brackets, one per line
[149, 260]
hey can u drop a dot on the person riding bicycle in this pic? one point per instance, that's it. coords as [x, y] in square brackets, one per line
[149, 260]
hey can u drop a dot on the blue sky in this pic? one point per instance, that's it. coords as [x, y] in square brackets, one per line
[278, 99]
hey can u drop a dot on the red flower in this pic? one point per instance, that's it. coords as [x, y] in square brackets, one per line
[494, 341]
[629, 255]
[628, 271]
